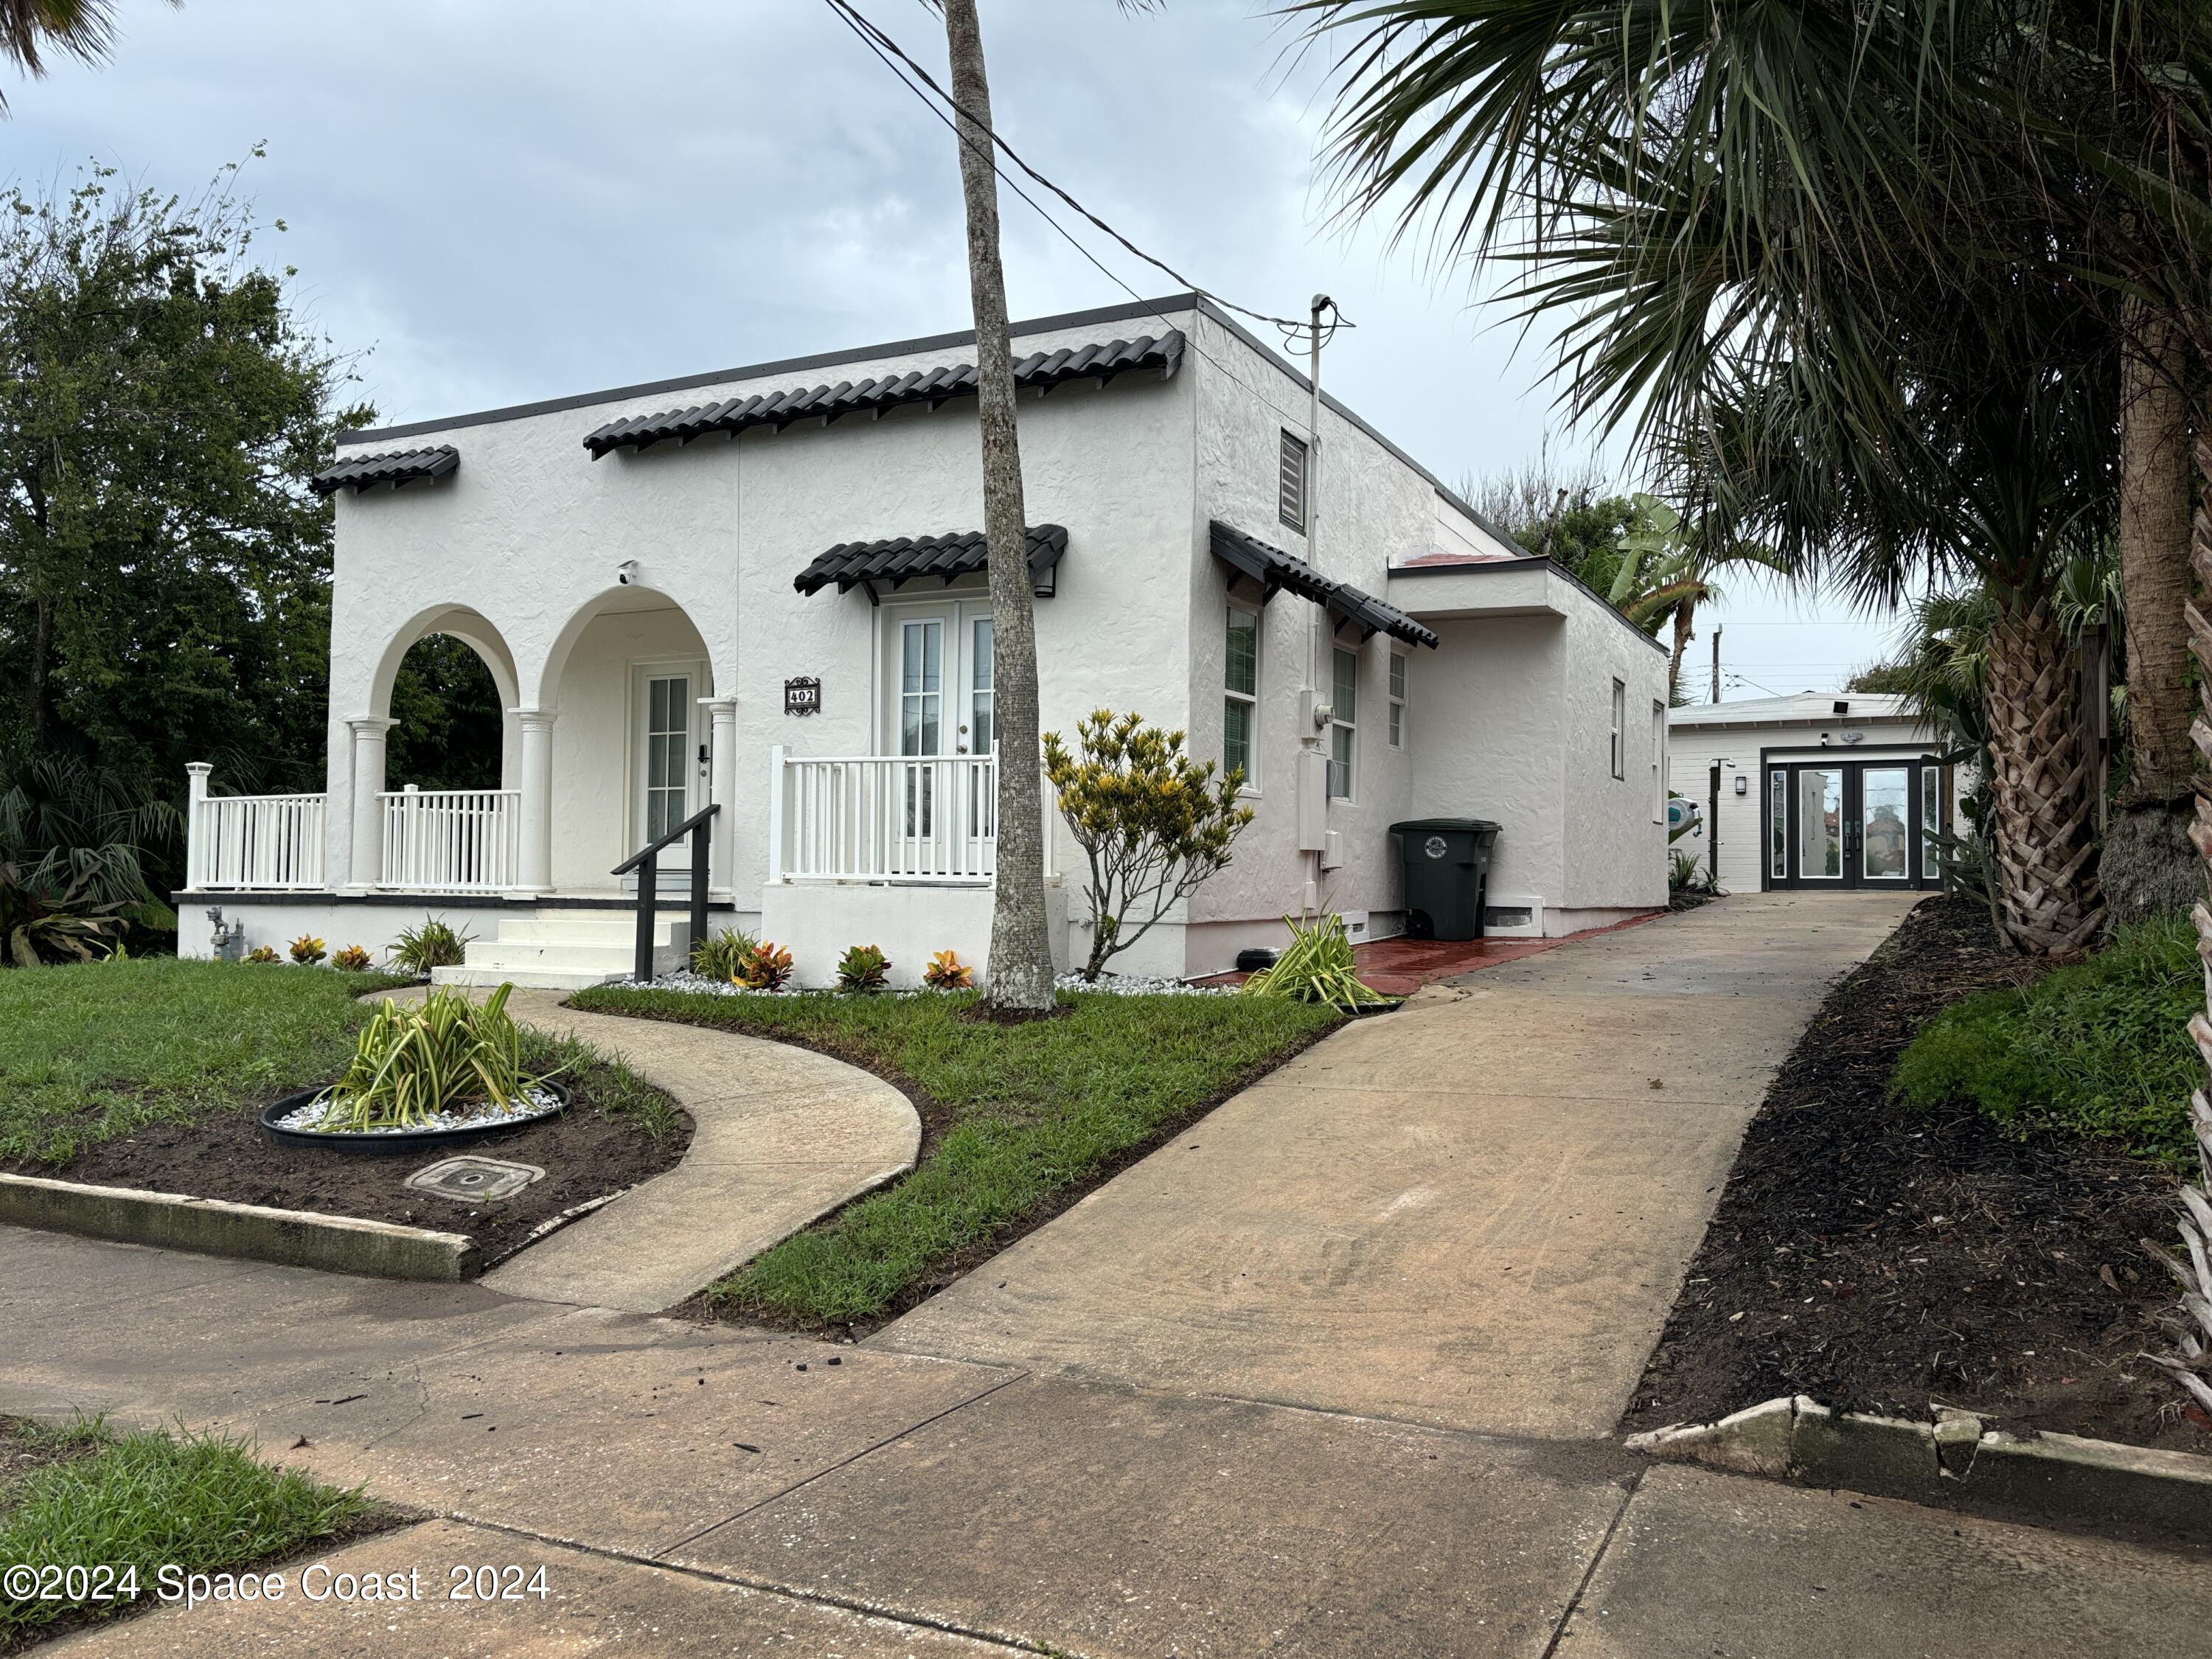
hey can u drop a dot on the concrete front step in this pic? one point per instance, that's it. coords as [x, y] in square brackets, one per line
[585, 926]
[524, 979]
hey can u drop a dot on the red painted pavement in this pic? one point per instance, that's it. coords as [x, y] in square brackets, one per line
[1399, 967]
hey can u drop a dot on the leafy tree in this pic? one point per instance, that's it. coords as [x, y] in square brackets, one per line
[450, 725]
[1152, 823]
[164, 571]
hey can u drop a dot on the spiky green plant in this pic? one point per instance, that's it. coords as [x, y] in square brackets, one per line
[436, 943]
[720, 955]
[412, 1064]
[1319, 966]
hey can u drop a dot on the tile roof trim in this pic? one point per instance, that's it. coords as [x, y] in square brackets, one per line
[1278, 571]
[1101, 360]
[853, 564]
[395, 467]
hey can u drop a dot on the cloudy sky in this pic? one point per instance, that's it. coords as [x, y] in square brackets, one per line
[502, 200]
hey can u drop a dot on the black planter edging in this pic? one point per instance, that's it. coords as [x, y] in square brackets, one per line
[1368, 1010]
[407, 1141]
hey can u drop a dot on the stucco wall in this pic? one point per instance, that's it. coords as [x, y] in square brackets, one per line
[1616, 849]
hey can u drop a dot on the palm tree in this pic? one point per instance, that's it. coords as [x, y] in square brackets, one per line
[29, 28]
[1781, 228]
[1669, 567]
[1021, 977]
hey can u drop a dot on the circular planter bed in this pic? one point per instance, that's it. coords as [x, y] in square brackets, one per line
[390, 1142]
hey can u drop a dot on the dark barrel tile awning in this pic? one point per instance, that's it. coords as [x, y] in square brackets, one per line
[1278, 572]
[903, 559]
[402, 466]
[1041, 371]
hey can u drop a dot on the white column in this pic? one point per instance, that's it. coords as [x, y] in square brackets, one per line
[366, 868]
[195, 849]
[535, 851]
[722, 789]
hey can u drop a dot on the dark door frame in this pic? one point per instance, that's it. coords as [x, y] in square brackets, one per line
[1785, 764]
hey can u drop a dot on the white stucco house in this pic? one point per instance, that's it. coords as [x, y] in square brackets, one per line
[1816, 792]
[760, 589]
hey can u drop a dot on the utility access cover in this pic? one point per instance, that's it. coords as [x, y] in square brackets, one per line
[471, 1180]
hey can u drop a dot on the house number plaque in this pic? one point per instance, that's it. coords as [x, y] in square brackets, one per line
[802, 696]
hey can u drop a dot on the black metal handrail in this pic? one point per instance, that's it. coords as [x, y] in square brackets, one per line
[646, 862]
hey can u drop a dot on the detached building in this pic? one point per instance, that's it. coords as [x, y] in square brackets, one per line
[1818, 791]
[763, 588]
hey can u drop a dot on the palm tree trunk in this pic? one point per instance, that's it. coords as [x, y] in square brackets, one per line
[2148, 864]
[2048, 897]
[1683, 614]
[1020, 971]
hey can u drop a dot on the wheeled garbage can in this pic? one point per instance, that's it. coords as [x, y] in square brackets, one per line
[1446, 875]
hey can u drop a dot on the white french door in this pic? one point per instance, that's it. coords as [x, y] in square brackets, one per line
[667, 781]
[938, 681]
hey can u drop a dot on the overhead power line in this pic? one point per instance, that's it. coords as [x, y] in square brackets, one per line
[885, 48]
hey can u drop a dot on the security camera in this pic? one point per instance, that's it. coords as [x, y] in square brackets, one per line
[626, 573]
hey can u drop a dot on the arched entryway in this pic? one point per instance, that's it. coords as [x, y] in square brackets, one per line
[448, 819]
[625, 724]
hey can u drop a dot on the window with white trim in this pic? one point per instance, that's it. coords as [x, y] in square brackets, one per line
[1343, 721]
[1291, 482]
[1658, 761]
[1619, 729]
[1240, 695]
[1397, 700]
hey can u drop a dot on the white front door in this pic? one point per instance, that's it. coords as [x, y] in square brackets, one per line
[667, 781]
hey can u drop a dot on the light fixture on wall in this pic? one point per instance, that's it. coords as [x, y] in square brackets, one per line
[1742, 784]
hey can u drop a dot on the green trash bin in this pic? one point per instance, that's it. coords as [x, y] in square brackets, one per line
[1446, 875]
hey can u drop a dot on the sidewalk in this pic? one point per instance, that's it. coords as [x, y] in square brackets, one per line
[1308, 1422]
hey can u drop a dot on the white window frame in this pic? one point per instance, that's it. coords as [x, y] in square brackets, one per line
[1396, 689]
[1658, 761]
[1619, 750]
[1337, 723]
[1252, 702]
[1293, 477]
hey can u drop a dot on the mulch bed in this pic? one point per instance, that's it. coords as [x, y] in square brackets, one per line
[585, 1156]
[1878, 1257]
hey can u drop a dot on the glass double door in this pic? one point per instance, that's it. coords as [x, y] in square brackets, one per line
[1853, 823]
[942, 707]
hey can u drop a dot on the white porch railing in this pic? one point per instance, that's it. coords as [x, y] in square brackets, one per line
[451, 841]
[273, 842]
[926, 818]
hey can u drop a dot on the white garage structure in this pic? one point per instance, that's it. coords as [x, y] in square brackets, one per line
[1821, 791]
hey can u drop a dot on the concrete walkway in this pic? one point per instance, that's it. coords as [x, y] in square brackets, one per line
[1398, 1485]
[784, 1136]
[1474, 1213]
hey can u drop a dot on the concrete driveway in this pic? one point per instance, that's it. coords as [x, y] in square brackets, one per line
[1349, 1392]
[1473, 1213]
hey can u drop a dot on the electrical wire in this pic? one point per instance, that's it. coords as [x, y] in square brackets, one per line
[880, 43]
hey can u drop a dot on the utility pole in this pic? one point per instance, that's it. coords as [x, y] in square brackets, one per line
[1716, 662]
[1313, 757]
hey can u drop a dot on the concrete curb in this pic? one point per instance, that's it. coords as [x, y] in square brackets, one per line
[1954, 1459]
[295, 1238]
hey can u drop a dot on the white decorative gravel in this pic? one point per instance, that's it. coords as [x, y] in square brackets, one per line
[540, 1102]
[1119, 985]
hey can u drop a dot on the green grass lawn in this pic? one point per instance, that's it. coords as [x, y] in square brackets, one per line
[92, 1052]
[2100, 1049]
[1021, 1116]
[79, 1492]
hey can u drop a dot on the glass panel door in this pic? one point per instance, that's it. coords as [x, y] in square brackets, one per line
[667, 745]
[981, 732]
[920, 715]
[1884, 827]
[1817, 848]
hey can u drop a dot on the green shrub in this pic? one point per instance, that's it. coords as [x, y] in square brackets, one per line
[307, 950]
[2099, 1049]
[413, 1064]
[720, 956]
[436, 943]
[863, 968]
[1317, 967]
